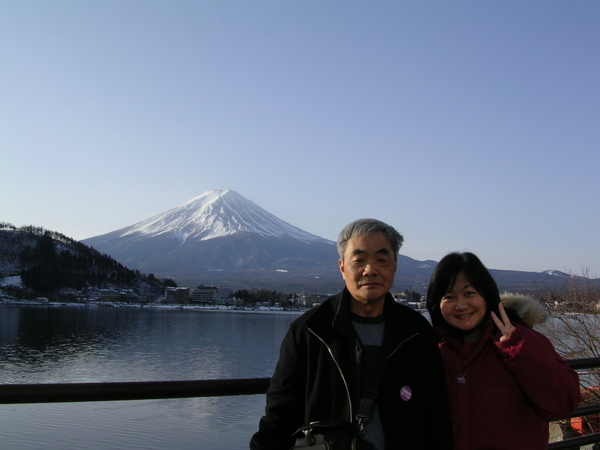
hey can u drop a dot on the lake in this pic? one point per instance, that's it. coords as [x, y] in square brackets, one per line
[78, 344]
[71, 344]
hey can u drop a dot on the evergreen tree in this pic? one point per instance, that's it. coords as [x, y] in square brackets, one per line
[44, 275]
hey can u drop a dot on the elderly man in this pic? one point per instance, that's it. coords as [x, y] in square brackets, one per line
[360, 358]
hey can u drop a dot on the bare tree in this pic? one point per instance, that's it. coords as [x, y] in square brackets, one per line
[574, 329]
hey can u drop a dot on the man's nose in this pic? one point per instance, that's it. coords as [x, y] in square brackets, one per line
[370, 269]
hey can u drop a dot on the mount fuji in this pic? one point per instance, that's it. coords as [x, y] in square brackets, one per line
[222, 237]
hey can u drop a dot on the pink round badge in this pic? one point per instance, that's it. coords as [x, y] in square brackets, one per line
[406, 393]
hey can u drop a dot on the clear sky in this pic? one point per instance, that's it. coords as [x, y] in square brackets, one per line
[468, 125]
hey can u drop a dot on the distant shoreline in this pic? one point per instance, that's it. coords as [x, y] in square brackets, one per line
[156, 306]
[161, 306]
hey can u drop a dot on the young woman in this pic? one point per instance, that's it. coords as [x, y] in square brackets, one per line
[505, 380]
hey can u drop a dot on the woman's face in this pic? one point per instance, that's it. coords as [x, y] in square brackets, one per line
[463, 307]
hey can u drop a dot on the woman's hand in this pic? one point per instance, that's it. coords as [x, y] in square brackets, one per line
[504, 325]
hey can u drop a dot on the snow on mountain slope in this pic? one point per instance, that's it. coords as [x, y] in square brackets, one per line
[221, 238]
[217, 232]
[217, 214]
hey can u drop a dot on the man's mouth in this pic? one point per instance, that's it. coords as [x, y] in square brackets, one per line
[370, 285]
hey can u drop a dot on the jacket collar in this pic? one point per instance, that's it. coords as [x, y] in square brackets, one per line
[333, 318]
[455, 341]
[342, 303]
[335, 314]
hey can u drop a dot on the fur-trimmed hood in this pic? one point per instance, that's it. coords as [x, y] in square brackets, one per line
[524, 309]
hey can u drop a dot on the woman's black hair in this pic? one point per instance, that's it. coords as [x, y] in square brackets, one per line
[443, 279]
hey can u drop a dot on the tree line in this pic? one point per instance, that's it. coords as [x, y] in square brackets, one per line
[49, 261]
[259, 295]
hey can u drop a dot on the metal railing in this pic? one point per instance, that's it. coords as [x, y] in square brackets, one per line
[576, 442]
[134, 390]
[148, 390]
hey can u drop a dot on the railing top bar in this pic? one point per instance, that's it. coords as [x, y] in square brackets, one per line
[134, 390]
[146, 390]
[574, 443]
[584, 363]
[585, 411]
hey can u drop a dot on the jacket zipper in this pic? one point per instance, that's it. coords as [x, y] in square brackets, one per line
[339, 369]
[401, 344]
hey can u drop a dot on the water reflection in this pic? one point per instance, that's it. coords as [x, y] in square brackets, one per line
[78, 344]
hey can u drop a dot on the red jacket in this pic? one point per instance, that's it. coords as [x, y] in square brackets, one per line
[503, 394]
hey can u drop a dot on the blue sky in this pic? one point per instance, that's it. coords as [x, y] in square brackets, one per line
[468, 125]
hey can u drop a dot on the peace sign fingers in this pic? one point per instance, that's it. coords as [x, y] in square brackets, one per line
[505, 326]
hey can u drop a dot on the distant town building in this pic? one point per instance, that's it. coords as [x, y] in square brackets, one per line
[170, 295]
[205, 295]
[112, 295]
[109, 295]
[181, 295]
[224, 296]
[68, 294]
[310, 300]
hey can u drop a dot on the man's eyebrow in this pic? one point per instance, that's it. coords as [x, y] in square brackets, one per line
[383, 251]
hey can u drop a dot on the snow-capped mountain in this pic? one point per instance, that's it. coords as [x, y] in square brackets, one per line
[216, 214]
[222, 238]
[218, 231]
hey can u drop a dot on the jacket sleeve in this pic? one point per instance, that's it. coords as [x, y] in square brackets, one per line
[546, 379]
[284, 412]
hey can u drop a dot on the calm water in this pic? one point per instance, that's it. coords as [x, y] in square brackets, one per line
[78, 344]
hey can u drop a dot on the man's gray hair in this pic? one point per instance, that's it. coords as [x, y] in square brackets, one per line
[366, 227]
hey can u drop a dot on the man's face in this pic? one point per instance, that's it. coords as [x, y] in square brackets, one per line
[368, 267]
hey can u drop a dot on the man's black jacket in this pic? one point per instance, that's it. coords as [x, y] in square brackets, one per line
[317, 378]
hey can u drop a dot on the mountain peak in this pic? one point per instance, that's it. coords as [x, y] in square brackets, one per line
[218, 232]
[210, 196]
[221, 238]
[215, 214]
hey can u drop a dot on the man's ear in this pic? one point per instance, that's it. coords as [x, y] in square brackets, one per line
[341, 264]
